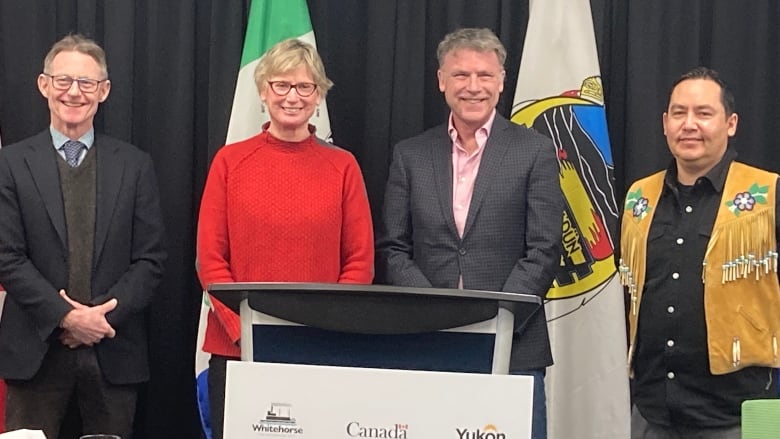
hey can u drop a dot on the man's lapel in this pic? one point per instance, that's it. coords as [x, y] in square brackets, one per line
[495, 148]
[42, 162]
[110, 173]
[441, 155]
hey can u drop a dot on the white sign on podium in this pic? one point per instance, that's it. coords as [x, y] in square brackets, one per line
[265, 400]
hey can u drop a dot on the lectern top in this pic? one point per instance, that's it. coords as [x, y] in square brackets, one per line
[374, 308]
[375, 289]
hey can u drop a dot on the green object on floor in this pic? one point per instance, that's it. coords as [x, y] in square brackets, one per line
[761, 419]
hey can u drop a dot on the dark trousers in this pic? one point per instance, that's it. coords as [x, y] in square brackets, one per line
[642, 429]
[539, 413]
[41, 402]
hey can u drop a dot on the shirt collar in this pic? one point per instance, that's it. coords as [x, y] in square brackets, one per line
[58, 139]
[716, 176]
[453, 132]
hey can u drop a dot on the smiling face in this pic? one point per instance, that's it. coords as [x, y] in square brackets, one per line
[696, 126]
[471, 82]
[290, 113]
[73, 111]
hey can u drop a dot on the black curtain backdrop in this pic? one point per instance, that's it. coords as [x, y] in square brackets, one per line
[173, 65]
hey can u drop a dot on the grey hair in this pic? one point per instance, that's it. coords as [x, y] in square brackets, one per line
[478, 39]
[77, 43]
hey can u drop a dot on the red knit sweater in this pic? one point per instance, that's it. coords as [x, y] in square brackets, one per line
[275, 211]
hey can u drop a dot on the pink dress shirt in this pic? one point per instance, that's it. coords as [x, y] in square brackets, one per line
[465, 166]
[464, 170]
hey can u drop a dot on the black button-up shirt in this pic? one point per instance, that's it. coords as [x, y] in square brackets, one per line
[673, 385]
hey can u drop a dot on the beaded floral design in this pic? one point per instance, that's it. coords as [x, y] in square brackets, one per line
[745, 201]
[637, 204]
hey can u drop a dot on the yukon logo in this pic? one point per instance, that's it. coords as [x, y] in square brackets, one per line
[278, 421]
[487, 432]
[397, 431]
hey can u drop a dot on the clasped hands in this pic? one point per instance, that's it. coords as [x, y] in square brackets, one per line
[86, 325]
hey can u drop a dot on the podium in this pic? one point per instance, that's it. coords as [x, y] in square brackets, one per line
[396, 322]
[324, 359]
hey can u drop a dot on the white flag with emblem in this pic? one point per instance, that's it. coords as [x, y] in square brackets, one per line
[559, 93]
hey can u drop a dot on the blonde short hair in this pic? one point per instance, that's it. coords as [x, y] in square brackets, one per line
[288, 55]
[77, 43]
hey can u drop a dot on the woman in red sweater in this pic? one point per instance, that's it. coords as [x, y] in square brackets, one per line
[282, 206]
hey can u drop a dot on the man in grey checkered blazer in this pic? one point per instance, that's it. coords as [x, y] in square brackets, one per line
[476, 203]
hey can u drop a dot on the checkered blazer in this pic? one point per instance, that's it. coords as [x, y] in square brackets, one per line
[511, 240]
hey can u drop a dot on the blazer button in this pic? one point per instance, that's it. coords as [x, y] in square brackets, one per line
[462, 251]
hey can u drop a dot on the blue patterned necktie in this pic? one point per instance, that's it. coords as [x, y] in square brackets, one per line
[72, 149]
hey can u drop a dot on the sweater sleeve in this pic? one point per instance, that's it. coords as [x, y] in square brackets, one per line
[357, 233]
[213, 245]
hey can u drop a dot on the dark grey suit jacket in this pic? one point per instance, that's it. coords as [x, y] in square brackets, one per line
[127, 261]
[511, 241]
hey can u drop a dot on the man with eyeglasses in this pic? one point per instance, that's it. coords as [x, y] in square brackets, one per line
[80, 256]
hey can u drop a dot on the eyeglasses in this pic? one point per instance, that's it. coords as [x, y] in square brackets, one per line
[282, 88]
[64, 82]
